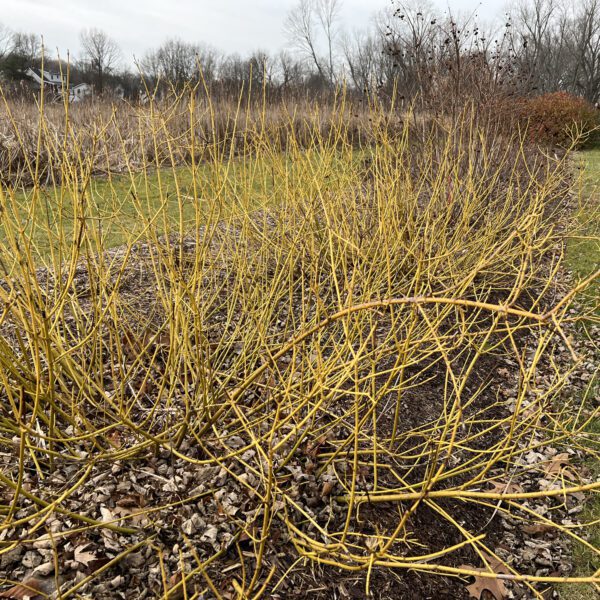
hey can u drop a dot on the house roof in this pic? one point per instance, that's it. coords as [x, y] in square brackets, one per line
[49, 77]
[53, 79]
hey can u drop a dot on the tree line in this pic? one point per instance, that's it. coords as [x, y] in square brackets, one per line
[409, 50]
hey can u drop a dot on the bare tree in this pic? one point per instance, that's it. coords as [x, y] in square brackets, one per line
[362, 54]
[535, 22]
[6, 40]
[232, 71]
[586, 45]
[178, 62]
[312, 24]
[328, 12]
[261, 69]
[208, 58]
[412, 34]
[21, 51]
[290, 72]
[150, 67]
[558, 48]
[27, 45]
[101, 54]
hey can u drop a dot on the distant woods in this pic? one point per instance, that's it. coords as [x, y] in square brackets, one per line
[410, 50]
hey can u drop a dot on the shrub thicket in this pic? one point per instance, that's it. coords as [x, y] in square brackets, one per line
[333, 349]
[557, 118]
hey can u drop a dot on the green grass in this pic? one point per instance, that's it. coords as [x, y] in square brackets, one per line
[119, 206]
[583, 253]
[583, 258]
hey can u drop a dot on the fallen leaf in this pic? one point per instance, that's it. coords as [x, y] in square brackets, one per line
[116, 582]
[115, 439]
[556, 466]
[327, 488]
[132, 509]
[107, 515]
[496, 565]
[164, 339]
[83, 557]
[30, 589]
[500, 487]
[537, 529]
[313, 448]
[373, 543]
[495, 587]
[131, 501]
[175, 587]
[532, 410]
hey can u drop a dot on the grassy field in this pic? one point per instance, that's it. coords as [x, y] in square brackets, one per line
[583, 254]
[120, 206]
[293, 367]
[583, 258]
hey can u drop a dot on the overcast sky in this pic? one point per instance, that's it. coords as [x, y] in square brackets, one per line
[230, 25]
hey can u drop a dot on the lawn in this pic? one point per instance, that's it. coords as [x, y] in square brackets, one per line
[583, 258]
[583, 253]
[117, 208]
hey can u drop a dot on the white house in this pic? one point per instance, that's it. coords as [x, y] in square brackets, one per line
[54, 80]
[79, 92]
[56, 83]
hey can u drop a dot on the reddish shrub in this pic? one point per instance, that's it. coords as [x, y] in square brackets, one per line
[551, 118]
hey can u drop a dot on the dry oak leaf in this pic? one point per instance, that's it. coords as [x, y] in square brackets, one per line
[132, 501]
[500, 487]
[327, 489]
[30, 589]
[495, 587]
[115, 439]
[314, 447]
[84, 558]
[556, 466]
[175, 587]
